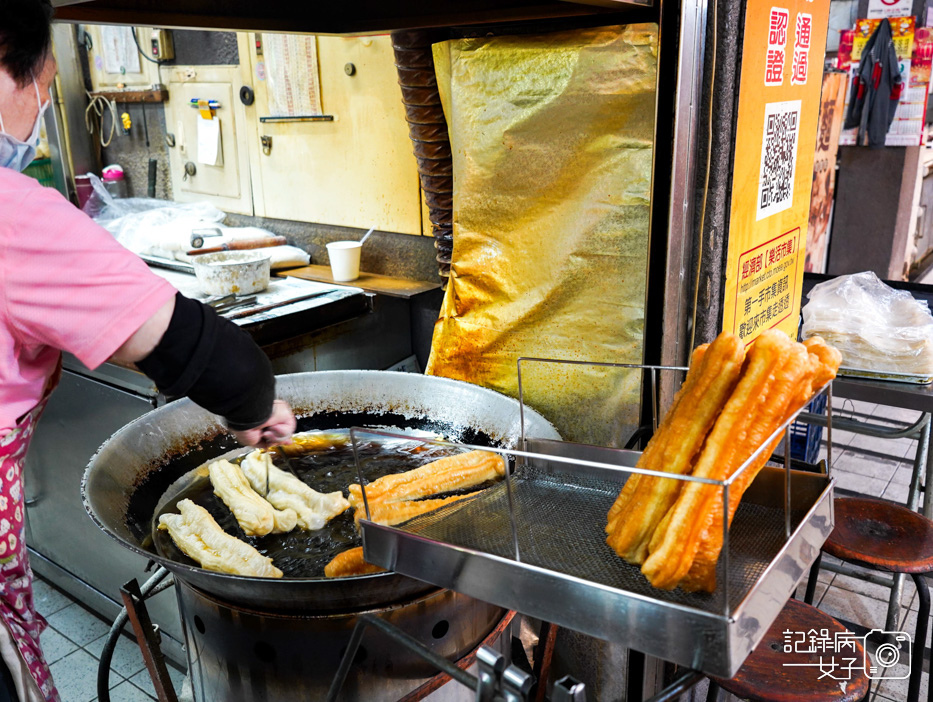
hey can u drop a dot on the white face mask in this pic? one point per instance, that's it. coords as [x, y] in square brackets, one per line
[18, 154]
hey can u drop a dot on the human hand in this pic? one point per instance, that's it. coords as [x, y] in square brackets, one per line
[278, 429]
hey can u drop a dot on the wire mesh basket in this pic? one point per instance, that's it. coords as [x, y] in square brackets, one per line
[535, 542]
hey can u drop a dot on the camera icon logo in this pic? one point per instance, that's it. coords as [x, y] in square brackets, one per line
[895, 648]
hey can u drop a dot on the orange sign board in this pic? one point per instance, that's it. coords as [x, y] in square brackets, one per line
[779, 105]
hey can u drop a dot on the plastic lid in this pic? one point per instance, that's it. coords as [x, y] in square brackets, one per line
[113, 172]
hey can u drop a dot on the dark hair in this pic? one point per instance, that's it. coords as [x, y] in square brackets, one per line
[25, 37]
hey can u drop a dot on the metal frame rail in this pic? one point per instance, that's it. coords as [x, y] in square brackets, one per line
[497, 680]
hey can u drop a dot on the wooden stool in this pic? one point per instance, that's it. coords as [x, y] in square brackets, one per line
[766, 676]
[887, 537]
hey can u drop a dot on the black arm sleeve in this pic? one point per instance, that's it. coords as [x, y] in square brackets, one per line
[215, 363]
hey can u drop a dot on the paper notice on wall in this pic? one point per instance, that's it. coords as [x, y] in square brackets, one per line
[119, 50]
[879, 9]
[209, 149]
[292, 75]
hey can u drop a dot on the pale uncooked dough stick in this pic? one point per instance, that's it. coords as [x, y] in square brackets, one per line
[313, 509]
[256, 516]
[199, 537]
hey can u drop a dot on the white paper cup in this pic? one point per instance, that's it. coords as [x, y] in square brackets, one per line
[344, 259]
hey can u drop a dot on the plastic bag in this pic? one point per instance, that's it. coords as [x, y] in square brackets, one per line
[874, 326]
[162, 228]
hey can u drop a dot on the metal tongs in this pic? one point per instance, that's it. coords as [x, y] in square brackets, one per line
[288, 465]
[227, 303]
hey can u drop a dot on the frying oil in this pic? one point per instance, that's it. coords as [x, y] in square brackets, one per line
[325, 462]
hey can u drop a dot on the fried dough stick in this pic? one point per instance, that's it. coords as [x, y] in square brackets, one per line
[775, 367]
[447, 474]
[830, 359]
[823, 363]
[313, 509]
[390, 513]
[350, 563]
[196, 533]
[687, 428]
[256, 516]
[658, 441]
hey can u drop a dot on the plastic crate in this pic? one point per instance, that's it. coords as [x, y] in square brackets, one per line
[805, 438]
[41, 170]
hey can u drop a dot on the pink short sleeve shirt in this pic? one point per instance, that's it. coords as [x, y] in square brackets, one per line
[65, 285]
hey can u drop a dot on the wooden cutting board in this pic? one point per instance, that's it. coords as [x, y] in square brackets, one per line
[370, 282]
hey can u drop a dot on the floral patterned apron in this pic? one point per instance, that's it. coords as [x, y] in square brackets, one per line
[17, 610]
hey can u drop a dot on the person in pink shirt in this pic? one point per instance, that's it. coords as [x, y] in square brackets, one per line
[67, 285]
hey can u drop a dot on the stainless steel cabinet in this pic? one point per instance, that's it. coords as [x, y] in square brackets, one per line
[66, 546]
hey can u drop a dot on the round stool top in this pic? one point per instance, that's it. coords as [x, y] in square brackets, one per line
[771, 673]
[881, 535]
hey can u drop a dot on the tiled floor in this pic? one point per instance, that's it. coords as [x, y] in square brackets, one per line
[865, 465]
[73, 644]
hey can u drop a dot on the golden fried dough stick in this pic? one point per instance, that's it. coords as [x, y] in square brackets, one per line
[286, 492]
[447, 474]
[350, 563]
[719, 371]
[197, 534]
[658, 441]
[313, 441]
[823, 362]
[256, 516]
[702, 573]
[729, 444]
[390, 513]
[829, 358]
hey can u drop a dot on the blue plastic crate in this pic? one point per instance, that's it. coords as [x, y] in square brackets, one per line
[805, 438]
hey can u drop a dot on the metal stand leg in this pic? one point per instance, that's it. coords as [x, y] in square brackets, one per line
[811, 580]
[148, 642]
[544, 652]
[713, 693]
[894, 603]
[921, 461]
[920, 639]
[928, 478]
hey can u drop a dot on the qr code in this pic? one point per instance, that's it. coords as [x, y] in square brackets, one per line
[778, 157]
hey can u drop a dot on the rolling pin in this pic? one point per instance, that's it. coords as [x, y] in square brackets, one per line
[241, 245]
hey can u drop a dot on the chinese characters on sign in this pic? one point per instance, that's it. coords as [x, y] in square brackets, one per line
[767, 275]
[803, 25]
[837, 657]
[772, 170]
[824, 171]
[777, 40]
[778, 24]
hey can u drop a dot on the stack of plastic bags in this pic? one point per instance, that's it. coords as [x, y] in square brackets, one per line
[163, 229]
[875, 327]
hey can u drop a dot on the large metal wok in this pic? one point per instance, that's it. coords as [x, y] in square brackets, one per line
[128, 476]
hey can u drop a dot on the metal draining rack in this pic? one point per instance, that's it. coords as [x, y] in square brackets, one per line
[535, 543]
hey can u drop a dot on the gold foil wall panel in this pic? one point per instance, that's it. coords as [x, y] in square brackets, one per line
[552, 139]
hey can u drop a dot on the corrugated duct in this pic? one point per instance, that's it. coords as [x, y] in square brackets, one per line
[427, 129]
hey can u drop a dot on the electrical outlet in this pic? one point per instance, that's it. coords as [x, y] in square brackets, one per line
[184, 75]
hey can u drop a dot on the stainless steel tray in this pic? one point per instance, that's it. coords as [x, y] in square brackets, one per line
[566, 574]
[913, 378]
